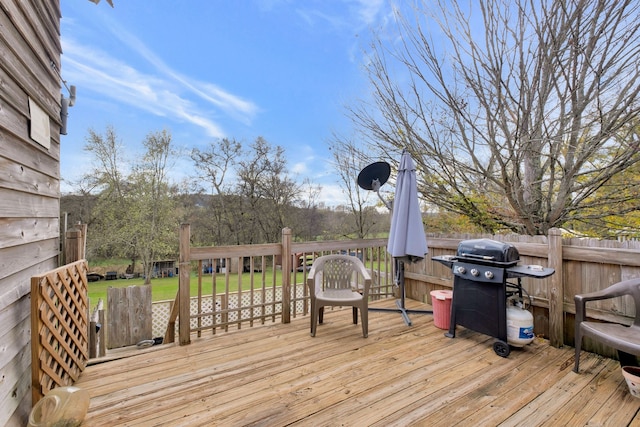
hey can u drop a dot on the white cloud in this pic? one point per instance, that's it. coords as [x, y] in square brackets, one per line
[300, 168]
[369, 10]
[117, 81]
[361, 14]
[332, 195]
[165, 95]
[209, 92]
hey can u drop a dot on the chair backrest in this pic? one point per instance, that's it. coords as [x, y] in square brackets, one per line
[338, 272]
[629, 287]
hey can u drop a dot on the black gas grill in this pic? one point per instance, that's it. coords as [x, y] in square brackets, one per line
[481, 268]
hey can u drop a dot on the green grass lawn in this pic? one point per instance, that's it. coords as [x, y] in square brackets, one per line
[166, 288]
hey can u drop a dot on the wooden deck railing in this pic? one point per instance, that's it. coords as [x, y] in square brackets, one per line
[59, 327]
[274, 287]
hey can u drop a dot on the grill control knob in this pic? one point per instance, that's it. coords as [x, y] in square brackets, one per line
[475, 272]
[461, 269]
[488, 274]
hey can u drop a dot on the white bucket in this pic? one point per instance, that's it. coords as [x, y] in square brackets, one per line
[61, 406]
[631, 374]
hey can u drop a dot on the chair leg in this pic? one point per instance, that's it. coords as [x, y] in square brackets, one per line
[314, 319]
[365, 321]
[355, 313]
[320, 315]
[578, 344]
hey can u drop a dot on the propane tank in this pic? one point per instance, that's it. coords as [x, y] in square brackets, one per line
[519, 325]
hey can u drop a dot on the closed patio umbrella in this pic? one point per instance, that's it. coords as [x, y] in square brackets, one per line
[407, 240]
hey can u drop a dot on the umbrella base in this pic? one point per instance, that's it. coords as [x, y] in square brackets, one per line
[402, 310]
[400, 301]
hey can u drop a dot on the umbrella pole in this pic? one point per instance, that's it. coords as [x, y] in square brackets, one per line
[400, 302]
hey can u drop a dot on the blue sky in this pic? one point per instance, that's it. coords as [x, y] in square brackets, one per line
[207, 69]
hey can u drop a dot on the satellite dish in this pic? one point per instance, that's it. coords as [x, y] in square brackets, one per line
[373, 177]
[378, 171]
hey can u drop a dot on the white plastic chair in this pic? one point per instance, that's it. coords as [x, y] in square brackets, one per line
[339, 281]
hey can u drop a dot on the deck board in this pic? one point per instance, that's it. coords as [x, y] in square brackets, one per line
[276, 374]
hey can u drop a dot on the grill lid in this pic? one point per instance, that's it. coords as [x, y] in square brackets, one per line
[488, 251]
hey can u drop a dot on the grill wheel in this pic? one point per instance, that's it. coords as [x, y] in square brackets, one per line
[501, 348]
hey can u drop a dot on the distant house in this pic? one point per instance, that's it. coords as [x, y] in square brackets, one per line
[30, 126]
[165, 268]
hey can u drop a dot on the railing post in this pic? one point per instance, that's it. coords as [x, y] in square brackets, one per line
[556, 289]
[286, 275]
[184, 313]
[93, 340]
[174, 306]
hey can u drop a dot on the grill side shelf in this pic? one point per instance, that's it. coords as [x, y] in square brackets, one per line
[529, 271]
[445, 260]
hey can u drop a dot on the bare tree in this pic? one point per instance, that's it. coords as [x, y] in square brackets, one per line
[253, 194]
[517, 112]
[308, 219]
[267, 191]
[348, 162]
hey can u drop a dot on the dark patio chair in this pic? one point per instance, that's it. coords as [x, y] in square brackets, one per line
[625, 339]
[342, 281]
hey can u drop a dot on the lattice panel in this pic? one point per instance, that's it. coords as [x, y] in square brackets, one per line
[225, 315]
[160, 318]
[162, 310]
[59, 327]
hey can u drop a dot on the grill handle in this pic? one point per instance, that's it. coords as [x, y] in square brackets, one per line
[483, 257]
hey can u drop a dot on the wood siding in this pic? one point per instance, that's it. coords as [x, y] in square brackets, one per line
[29, 184]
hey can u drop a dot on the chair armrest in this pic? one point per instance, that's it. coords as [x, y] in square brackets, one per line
[311, 281]
[311, 272]
[626, 287]
[366, 276]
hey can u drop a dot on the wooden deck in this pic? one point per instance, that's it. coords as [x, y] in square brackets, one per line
[278, 375]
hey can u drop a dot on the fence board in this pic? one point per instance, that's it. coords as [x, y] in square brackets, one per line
[129, 315]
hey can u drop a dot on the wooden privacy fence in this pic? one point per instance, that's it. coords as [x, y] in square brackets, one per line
[581, 265]
[59, 327]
